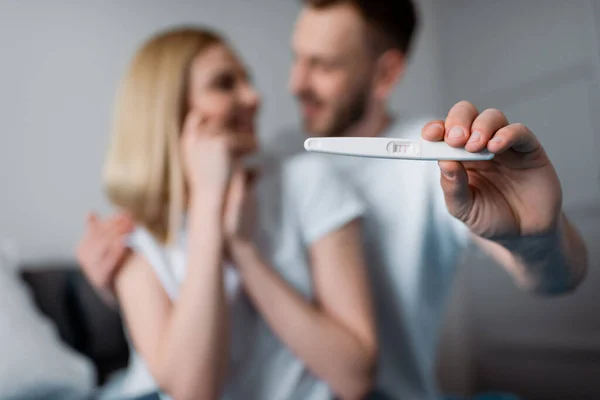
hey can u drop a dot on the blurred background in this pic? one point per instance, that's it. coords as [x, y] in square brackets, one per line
[536, 60]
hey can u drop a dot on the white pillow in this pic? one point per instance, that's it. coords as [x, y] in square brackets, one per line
[34, 362]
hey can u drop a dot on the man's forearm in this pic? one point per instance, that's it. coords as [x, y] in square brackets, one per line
[552, 263]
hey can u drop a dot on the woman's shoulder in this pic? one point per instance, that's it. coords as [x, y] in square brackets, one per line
[150, 252]
[145, 245]
[141, 239]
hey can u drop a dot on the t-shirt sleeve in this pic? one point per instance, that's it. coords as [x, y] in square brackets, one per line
[324, 201]
[143, 243]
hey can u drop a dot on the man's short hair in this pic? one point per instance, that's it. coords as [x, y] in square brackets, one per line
[393, 22]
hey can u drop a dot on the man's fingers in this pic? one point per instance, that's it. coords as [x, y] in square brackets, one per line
[459, 122]
[434, 131]
[111, 262]
[515, 136]
[97, 231]
[98, 244]
[485, 125]
[92, 225]
[125, 223]
[113, 229]
[455, 184]
[91, 218]
[95, 242]
[103, 227]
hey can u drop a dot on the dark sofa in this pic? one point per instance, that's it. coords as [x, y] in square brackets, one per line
[84, 321]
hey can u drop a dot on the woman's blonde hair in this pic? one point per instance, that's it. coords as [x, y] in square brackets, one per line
[143, 171]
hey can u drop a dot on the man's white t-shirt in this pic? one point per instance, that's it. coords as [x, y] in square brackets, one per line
[413, 246]
[299, 201]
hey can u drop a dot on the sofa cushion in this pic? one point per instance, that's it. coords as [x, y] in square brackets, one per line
[84, 321]
[34, 361]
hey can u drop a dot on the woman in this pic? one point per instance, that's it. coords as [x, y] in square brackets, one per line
[235, 288]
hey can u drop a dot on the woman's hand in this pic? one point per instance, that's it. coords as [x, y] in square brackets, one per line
[240, 216]
[209, 151]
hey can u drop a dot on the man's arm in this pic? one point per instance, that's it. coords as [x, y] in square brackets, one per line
[553, 263]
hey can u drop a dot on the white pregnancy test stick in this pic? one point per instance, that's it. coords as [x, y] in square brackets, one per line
[402, 149]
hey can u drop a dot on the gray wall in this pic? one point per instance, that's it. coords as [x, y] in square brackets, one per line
[61, 61]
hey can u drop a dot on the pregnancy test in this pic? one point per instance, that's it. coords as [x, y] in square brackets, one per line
[402, 149]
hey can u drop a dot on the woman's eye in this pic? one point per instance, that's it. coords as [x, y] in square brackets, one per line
[225, 82]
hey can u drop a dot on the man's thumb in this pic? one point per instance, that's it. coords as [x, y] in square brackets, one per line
[455, 184]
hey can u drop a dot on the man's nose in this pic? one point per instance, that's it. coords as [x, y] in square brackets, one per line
[298, 78]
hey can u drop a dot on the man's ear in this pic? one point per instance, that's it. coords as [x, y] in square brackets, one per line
[389, 69]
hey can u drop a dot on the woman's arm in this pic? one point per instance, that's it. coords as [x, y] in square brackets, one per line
[334, 336]
[185, 342]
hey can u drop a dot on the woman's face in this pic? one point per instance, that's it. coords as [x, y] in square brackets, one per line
[221, 90]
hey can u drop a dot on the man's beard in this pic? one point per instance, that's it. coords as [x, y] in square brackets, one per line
[346, 115]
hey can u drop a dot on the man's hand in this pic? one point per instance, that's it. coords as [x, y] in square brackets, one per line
[102, 250]
[516, 193]
[512, 203]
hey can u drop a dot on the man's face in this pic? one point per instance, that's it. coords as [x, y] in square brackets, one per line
[332, 72]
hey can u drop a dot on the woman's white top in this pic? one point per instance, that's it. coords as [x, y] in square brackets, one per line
[299, 201]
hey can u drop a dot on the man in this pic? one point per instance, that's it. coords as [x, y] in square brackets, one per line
[350, 54]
